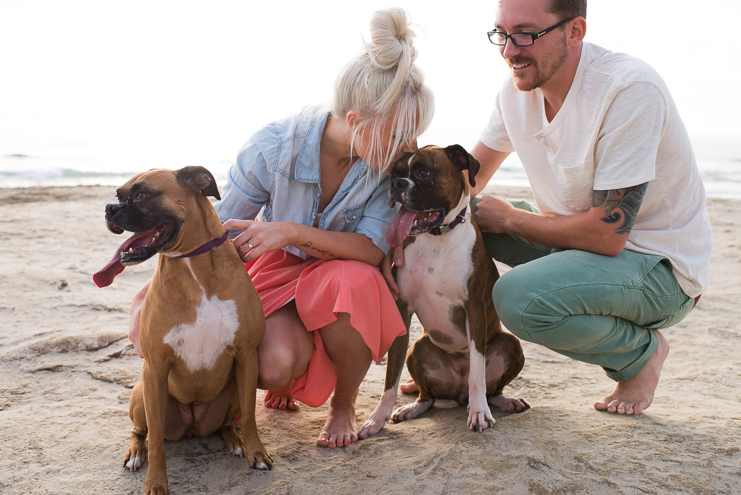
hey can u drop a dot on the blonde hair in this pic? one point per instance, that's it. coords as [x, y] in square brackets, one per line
[382, 83]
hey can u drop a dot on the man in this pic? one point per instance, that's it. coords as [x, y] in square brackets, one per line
[620, 243]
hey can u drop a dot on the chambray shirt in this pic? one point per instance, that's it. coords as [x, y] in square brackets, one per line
[277, 174]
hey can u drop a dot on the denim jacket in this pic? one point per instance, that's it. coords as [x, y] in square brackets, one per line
[277, 174]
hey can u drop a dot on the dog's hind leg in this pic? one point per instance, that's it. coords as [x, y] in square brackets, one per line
[505, 360]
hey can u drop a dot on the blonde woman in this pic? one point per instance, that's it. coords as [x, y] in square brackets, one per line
[316, 182]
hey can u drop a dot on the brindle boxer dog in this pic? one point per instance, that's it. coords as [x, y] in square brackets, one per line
[446, 279]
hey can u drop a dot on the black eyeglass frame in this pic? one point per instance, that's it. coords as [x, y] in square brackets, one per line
[533, 36]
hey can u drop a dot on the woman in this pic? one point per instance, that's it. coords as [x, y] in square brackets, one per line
[317, 180]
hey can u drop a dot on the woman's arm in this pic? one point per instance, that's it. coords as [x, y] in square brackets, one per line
[324, 244]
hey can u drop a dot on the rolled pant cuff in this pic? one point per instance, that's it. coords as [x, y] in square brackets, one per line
[636, 366]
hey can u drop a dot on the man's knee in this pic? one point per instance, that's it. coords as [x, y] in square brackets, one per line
[510, 299]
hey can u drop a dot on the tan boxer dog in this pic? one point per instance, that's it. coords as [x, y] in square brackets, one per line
[200, 324]
[446, 279]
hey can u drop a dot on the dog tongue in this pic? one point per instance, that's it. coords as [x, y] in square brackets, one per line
[401, 226]
[105, 277]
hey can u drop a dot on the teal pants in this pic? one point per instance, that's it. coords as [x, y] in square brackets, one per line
[596, 309]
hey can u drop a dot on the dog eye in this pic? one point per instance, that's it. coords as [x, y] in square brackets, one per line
[423, 173]
[141, 196]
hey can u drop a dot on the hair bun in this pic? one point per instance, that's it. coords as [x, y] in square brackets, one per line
[391, 40]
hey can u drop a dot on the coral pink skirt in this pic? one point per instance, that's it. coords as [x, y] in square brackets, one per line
[323, 288]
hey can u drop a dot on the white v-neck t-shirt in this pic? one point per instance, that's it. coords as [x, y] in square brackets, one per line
[617, 128]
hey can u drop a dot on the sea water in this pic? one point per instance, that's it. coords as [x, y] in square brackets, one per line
[718, 159]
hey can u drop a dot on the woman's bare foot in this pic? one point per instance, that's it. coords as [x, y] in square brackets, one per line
[340, 430]
[281, 398]
[633, 396]
[409, 387]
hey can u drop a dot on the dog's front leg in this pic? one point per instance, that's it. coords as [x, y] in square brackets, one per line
[479, 414]
[154, 388]
[246, 372]
[394, 366]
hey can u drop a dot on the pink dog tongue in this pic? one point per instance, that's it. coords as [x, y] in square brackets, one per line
[105, 277]
[400, 227]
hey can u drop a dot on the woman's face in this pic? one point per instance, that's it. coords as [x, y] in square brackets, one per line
[375, 152]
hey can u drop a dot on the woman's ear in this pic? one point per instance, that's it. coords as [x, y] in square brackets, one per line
[352, 118]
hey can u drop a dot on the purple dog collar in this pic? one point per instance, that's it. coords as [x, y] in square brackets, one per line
[444, 229]
[207, 247]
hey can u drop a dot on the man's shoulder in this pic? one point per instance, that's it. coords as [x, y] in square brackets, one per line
[616, 67]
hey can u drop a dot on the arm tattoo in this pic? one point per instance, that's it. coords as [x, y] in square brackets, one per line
[620, 205]
[309, 245]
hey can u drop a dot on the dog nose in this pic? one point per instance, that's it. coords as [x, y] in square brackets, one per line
[399, 184]
[111, 210]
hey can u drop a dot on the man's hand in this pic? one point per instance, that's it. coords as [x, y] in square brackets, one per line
[492, 214]
[395, 257]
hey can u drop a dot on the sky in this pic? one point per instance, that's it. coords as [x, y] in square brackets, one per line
[175, 81]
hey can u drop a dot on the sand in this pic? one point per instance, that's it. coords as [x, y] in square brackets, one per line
[67, 369]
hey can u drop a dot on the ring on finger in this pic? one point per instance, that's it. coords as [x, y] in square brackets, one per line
[250, 245]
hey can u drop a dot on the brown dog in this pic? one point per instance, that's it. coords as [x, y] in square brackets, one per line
[446, 279]
[200, 325]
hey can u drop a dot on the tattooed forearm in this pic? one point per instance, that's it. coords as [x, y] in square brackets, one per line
[621, 206]
[324, 252]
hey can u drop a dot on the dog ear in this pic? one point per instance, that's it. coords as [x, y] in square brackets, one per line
[198, 179]
[459, 156]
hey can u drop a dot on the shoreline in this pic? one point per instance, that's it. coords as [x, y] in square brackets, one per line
[67, 368]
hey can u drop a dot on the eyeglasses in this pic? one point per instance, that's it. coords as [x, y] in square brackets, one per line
[522, 39]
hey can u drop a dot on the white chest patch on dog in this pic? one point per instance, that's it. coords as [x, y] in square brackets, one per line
[199, 344]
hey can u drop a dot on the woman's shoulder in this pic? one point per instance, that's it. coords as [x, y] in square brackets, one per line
[296, 126]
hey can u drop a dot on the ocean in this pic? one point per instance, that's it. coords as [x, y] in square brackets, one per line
[718, 158]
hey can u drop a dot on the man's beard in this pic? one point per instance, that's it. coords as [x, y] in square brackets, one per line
[543, 72]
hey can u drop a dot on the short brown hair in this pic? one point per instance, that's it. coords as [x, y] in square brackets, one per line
[568, 9]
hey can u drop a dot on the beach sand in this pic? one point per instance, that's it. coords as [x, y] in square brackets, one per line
[67, 369]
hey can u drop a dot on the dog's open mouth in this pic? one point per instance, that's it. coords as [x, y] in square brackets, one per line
[137, 248]
[408, 223]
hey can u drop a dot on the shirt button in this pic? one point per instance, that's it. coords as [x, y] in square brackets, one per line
[354, 217]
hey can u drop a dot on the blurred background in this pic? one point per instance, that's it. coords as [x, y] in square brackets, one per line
[94, 91]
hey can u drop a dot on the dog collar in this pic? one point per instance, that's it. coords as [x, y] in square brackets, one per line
[207, 247]
[444, 229]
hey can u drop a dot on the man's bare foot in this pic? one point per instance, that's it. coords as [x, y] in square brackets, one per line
[635, 395]
[281, 398]
[409, 387]
[340, 429]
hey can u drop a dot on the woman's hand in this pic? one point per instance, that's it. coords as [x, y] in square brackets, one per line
[395, 257]
[260, 237]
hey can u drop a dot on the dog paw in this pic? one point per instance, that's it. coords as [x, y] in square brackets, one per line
[479, 421]
[379, 417]
[260, 460]
[411, 411]
[371, 427]
[134, 459]
[156, 489]
[509, 404]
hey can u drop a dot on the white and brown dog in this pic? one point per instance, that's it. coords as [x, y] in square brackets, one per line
[446, 279]
[200, 325]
